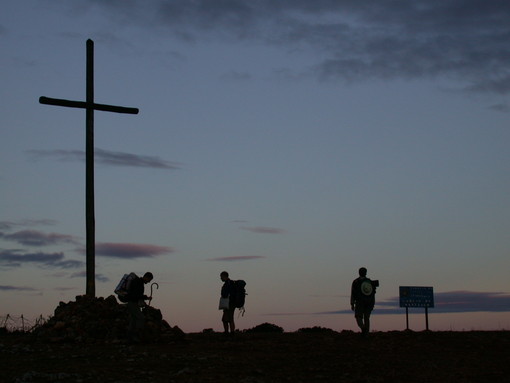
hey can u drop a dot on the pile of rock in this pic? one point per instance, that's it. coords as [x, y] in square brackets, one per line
[90, 319]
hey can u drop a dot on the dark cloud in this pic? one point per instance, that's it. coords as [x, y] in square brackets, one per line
[263, 230]
[64, 289]
[352, 40]
[106, 157]
[37, 238]
[127, 159]
[14, 258]
[504, 108]
[465, 301]
[15, 288]
[83, 274]
[448, 302]
[9, 225]
[237, 258]
[131, 250]
[69, 264]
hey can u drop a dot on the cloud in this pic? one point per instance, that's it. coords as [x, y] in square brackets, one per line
[15, 288]
[83, 274]
[106, 157]
[448, 302]
[467, 301]
[504, 108]
[285, 314]
[65, 288]
[131, 250]
[37, 238]
[8, 225]
[126, 159]
[263, 230]
[350, 40]
[13, 258]
[237, 258]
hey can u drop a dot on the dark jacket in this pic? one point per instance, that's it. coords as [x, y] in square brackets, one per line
[135, 291]
[227, 289]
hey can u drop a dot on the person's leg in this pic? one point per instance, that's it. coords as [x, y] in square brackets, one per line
[134, 320]
[228, 320]
[366, 316]
[359, 321]
[225, 321]
[140, 325]
[358, 314]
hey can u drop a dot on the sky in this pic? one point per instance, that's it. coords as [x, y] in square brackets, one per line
[288, 142]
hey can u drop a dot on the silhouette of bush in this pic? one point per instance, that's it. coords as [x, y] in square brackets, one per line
[317, 329]
[264, 328]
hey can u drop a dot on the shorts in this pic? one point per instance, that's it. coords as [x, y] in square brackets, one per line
[228, 315]
[361, 310]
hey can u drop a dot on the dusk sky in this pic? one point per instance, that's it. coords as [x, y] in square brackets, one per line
[288, 142]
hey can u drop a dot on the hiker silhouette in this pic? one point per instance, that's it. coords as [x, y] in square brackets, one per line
[136, 298]
[363, 299]
[227, 291]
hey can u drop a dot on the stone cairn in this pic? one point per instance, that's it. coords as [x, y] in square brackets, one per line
[90, 319]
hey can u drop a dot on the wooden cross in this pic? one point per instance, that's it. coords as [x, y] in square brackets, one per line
[89, 107]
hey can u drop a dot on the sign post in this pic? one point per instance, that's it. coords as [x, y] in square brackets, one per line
[416, 296]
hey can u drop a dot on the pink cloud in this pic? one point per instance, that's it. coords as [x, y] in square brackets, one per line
[131, 250]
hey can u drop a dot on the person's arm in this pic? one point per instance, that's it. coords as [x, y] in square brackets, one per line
[353, 294]
[225, 292]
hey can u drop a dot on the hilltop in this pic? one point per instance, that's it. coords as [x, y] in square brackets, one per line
[303, 356]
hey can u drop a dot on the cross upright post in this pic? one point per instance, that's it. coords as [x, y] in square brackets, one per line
[89, 107]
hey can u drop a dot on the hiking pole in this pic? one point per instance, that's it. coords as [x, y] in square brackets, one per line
[157, 288]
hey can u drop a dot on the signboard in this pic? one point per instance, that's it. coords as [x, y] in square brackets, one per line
[415, 296]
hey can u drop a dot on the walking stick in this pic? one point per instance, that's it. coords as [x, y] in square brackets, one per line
[157, 288]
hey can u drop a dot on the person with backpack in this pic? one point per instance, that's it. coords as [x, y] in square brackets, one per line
[363, 300]
[135, 299]
[228, 291]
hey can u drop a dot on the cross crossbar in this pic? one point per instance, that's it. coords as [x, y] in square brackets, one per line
[85, 105]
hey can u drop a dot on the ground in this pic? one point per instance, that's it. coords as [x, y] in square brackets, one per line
[305, 356]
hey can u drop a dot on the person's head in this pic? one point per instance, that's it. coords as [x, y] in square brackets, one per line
[363, 272]
[147, 277]
[224, 276]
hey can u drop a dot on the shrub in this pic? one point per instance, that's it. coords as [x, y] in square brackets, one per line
[317, 329]
[265, 327]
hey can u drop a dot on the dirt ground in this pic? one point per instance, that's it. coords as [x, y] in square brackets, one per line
[321, 356]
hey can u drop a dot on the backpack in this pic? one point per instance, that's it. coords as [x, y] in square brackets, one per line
[238, 294]
[366, 289]
[122, 288]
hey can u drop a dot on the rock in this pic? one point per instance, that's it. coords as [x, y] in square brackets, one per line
[98, 319]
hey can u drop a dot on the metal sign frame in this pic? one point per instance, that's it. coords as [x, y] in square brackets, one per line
[416, 296]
